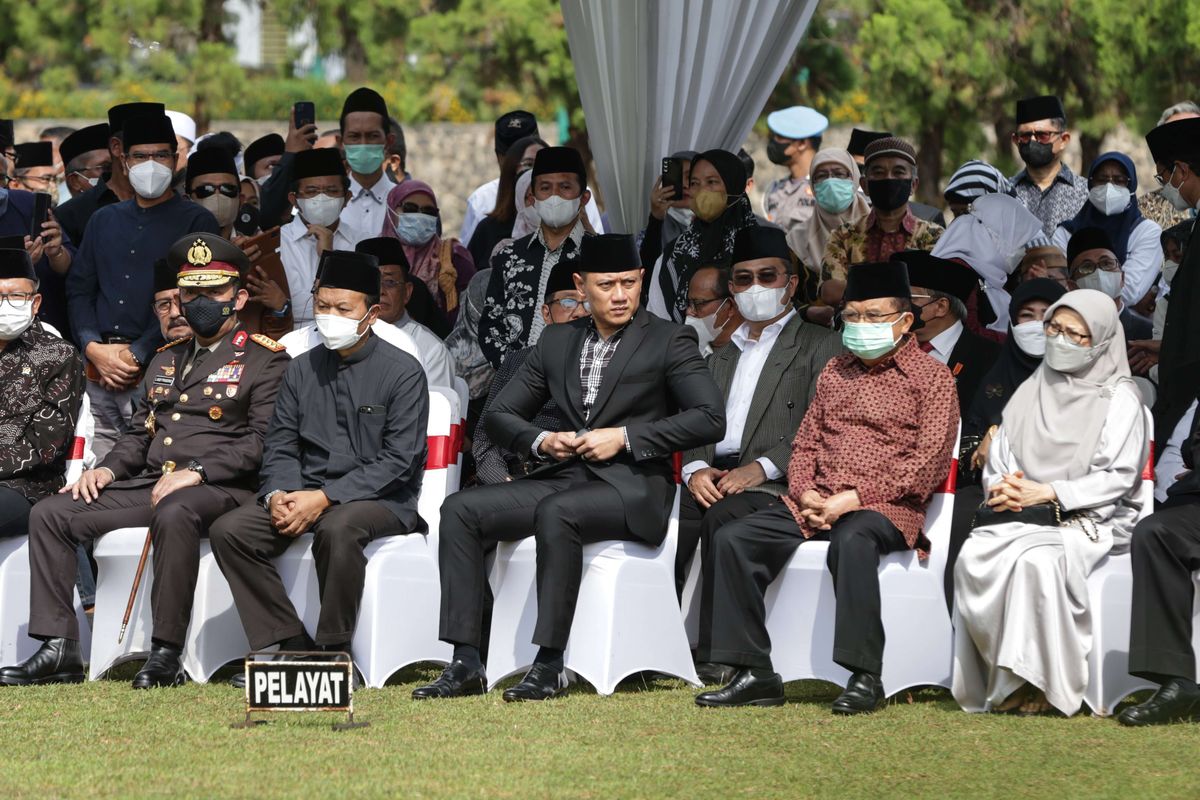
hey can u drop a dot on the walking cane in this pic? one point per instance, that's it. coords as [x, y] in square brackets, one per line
[137, 582]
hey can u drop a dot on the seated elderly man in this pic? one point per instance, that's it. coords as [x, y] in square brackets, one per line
[43, 388]
[941, 290]
[767, 379]
[1093, 264]
[875, 444]
[493, 463]
[711, 311]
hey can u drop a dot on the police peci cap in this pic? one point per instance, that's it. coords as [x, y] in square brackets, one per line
[797, 122]
[206, 259]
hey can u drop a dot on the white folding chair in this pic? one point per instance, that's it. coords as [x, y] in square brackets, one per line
[627, 618]
[918, 650]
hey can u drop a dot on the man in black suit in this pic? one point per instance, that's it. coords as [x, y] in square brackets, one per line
[941, 290]
[632, 390]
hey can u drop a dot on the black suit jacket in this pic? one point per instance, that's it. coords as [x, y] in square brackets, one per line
[970, 361]
[657, 387]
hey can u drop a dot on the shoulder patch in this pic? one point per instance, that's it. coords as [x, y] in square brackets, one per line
[169, 345]
[267, 342]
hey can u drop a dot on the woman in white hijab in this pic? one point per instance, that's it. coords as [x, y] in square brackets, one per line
[1071, 445]
[991, 239]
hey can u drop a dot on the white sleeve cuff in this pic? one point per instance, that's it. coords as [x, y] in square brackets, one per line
[691, 468]
[773, 472]
[538, 443]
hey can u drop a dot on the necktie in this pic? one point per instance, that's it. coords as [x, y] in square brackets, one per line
[199, 357]
[926, 347]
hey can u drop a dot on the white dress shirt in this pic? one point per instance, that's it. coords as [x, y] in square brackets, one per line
[483, 201]
[301, 340]
[434, 355]
[741, 392]
[944, 342]
[363, 216]
[298, 252]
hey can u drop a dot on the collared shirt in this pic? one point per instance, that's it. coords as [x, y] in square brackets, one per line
[754, 355]
[866, 240]
[366, 210]
[194, 355]
[884, 431]
[790, 204]
[943, 344]
[298, 252]
[594, 358]
[110, 288]
[301, 340]
[42, 377]
[1057, 204]
[435, 356]
[482, 202]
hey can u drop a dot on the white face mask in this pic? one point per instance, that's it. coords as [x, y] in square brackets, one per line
[1109, 199]
[1030, 337]
[14, 321]
[683, 216]
[1102, 281]
[150, 179]
[223, 208]
[1169, 270]
[338, 333]
[321, 210]
[1172, 195]
[557, 212]
[706, 327]
[1063, 355]
[760, 303]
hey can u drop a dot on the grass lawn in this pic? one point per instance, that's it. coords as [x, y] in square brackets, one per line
[104, 740]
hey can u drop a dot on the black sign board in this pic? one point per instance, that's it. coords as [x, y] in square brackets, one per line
[300, 682]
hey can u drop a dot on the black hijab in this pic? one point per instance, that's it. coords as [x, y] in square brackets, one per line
[1013, 365]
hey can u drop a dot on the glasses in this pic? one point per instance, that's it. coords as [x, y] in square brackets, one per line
[568, 303]
[1105, 264]
[696, 305]
[1162, 181]
[1054, 329]
[1042, 136]
[45, 181]
[17, 299]
[309, 192]
[390, 283]
[1118, 180]
[206, 190]
[164, 306]
[765, 277]
[93, 172]
[164, 156]
[873, 317]
[826, 174]
[413, 208]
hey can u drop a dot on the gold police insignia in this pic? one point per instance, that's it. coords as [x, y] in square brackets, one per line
[198, 254]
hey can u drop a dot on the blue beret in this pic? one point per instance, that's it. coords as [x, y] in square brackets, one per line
[797, 122]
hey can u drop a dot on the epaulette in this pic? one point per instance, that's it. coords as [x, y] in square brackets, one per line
[267, 342]
[169, 345]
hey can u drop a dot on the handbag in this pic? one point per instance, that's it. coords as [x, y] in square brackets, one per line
[1043, 515]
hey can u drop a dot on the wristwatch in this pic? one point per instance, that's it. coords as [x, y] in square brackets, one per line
[195, 467]
[283, 312]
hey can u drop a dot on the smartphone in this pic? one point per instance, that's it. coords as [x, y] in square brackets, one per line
[246, 222]
[305, 113]
[672, 175]
[41, 210]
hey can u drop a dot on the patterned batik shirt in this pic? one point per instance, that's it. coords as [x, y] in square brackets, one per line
[42, 379]
[865, 241]
[1056, 205]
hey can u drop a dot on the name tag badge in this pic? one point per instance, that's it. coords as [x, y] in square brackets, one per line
[164, 380]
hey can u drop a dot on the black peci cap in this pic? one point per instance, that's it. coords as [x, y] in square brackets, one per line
[872, 280]
[608, 252]
[344, 269]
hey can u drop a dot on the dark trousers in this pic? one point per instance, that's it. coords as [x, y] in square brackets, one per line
[1166, 551]
[967, 500]
[563, 512]
[244, 543]
[698, 524]
[14, 513]
[58, 525]
[747, 555]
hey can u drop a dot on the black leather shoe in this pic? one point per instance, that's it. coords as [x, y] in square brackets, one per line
[164, 667]
[712, 674]
[56, 661]
[745, 690]
[1175, 701]
[863, 695]
[542, 682]
[456, 680]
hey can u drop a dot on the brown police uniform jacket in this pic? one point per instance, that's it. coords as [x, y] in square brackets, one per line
[217, 415]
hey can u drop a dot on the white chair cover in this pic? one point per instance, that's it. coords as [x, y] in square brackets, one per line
[15, 642]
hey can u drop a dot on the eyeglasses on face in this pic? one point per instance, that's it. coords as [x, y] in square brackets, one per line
[1043, 137]
[161, 156]
[413, 208]
[825, 173]
[309, 192]
[1105, 264]
[1054, 329]
[206, 190]
[697, 303]
[765, 277]
[17, 299]
[163, 306]
[391, 283]
[872, 317]
[567, 303]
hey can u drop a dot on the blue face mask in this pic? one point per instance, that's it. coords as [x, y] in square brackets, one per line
[415, 229]
[835, 194]
[868, 340]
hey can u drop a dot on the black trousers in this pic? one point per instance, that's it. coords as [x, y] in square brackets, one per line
[58, 525]
[563, 512]
[1166, 551]
[14, 513]
[698, 524]
[244, 543]
[967, 500]
[748, 554]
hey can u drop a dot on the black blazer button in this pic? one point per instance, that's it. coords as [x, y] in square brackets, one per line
[781, 438]
[790, 404]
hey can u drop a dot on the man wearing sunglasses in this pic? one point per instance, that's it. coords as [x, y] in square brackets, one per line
[1047, 186]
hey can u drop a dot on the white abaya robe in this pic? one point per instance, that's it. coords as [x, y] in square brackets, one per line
[1020, 591]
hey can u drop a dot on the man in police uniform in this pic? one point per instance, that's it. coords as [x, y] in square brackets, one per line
[193, 453]
[795, 138]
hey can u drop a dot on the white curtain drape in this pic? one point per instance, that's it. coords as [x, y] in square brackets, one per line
[658, 76]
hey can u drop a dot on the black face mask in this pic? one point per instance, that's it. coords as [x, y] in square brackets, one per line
[888, 194]
[775, 152]
[1036, 154]
[206, 316]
